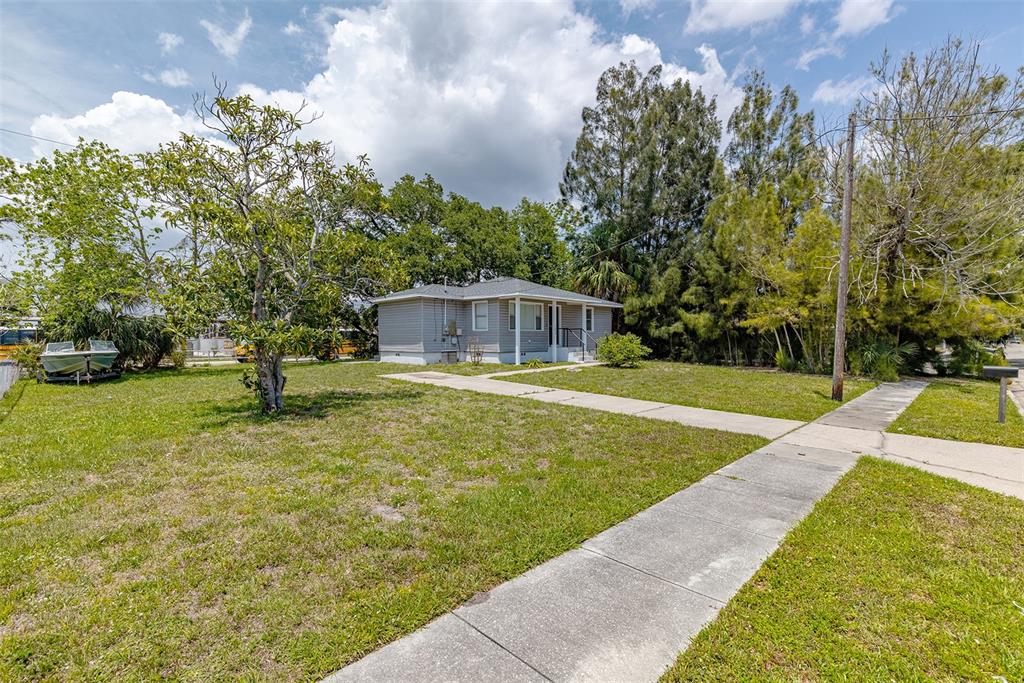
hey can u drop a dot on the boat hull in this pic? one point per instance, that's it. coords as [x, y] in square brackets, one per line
[63, 363]
[102, 360]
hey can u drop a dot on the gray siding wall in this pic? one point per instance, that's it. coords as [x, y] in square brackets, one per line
[528, 341]
[462, 313]
[418, 325]
[572, 317]
[602, 325]
[399, 326]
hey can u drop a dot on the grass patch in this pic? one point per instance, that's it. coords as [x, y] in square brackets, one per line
[157, 527]
[897, 575]
[753, 391]
[962, 410]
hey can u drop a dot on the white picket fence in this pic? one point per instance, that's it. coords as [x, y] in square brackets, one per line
[8, 376]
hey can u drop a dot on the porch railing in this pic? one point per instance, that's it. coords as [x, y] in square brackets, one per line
[577, 336]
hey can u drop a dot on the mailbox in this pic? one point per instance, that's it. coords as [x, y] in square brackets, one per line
[1003, 372]
[999, 371]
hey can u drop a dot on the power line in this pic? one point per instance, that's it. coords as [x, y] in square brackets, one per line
[932, 117]
[36, 137]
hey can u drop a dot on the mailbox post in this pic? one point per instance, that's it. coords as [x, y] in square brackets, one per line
[1003, 373]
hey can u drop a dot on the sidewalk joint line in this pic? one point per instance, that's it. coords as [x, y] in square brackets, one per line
[530, 666]
[652, 575]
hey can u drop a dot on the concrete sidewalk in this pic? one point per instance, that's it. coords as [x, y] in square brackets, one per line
[628, 601]
[768, 427]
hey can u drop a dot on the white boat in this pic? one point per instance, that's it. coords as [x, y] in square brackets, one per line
[103, 353]
[61, 358]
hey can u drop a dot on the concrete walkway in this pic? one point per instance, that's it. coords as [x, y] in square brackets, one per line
[626, 603]
[768, 427]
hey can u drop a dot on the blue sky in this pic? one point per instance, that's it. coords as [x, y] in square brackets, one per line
[487, 97]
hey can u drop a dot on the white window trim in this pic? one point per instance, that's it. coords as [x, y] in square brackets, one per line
[588, 309]
[523, 304]
[487, 321]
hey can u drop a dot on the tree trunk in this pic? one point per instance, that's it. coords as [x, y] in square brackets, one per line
[272, 379]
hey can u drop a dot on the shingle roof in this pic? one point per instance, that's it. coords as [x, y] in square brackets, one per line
[499, 287]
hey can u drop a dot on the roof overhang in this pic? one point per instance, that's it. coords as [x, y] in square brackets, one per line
[522, 295]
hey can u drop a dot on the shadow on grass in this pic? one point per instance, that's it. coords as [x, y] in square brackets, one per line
[307, 406]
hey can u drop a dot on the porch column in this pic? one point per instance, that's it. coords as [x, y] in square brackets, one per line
[554, 332]
[519, 324]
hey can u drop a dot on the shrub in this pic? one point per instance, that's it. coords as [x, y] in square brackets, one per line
[969, 355]
[535, 363]
[785, 362]
[883, 360]
[622, 350]
[26, 356]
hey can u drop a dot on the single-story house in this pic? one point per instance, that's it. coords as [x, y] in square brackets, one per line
[506, 320]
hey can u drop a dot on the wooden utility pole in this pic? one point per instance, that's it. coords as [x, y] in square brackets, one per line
[839, 353]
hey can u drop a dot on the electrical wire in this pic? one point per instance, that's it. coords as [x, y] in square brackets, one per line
[36, 137]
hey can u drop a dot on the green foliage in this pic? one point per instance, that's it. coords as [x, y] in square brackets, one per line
[534, 363]
[622, 350]
[883, 360]
[277, 257]
[450, 238]
[969, 355]
[785, 362]
[26, 356]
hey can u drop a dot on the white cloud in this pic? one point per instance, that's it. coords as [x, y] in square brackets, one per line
[803, 62]
[807, 24]
[291, 29]
[487, 97]
[228, 44]
[130, 122]
[169, 42]
[175, 78]
[859, 16]
[716, 15]
[844, 91]
[630, 6]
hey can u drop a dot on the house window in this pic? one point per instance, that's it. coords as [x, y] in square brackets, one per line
[588, 319]
[533, 316]
[479, 316]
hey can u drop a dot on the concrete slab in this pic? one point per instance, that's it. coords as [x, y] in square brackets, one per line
[998, 468]
[798, 500]
[768, 427]
[583, 616]
[701, 555]
[613, 404]
[795, 478]
[809, 453]
[876, 409]
[447, 649]
[749, 507]
[829, 437]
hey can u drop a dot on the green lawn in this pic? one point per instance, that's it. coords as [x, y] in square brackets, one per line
[962, 410]
[753, 391]
[155, 527]
[897, 575]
